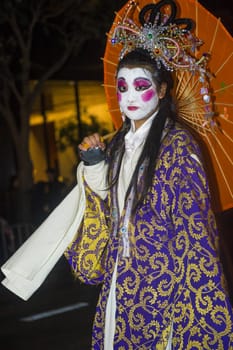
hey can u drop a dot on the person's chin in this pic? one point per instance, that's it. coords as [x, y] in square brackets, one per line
[136, 115]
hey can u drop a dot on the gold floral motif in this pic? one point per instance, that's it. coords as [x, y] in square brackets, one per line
[173, 275]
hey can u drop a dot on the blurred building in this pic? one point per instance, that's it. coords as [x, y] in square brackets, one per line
[64, 103]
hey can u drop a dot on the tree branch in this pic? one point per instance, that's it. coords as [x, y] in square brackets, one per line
[53, 69]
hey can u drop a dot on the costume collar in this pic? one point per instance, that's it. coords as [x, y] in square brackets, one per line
[134, 138]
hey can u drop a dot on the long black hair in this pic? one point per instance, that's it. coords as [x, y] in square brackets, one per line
[140, 58]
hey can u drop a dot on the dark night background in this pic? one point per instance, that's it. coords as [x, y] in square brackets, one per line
[72, 330]
[89, 60]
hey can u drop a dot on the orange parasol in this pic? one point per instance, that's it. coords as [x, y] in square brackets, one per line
[217, 138]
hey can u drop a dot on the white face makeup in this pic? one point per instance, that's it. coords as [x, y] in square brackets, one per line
[137, 94]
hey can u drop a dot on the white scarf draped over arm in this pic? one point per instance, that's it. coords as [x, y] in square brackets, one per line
[28, 267]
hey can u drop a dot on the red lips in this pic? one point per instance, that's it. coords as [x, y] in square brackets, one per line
[132, 108]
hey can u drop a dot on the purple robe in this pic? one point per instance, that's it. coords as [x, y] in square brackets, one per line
[173, 277]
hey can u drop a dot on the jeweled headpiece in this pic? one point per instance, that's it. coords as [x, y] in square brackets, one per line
[168, 39]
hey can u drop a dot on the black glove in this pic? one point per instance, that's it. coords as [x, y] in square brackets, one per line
[92, 156]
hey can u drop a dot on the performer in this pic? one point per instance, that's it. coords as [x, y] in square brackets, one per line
[163, 284]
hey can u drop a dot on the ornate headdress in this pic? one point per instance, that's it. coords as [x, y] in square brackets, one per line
[168, 39]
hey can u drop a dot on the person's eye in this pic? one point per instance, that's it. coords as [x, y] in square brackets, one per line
[121, 85]
[141, 87]
[122, 88]
[142, 84]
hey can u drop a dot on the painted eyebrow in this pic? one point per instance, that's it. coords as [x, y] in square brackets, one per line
[139, 78]
[142, 78]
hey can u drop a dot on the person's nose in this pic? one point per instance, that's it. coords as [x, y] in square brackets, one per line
[132, 96]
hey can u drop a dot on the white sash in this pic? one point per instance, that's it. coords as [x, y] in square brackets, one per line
[28, 267]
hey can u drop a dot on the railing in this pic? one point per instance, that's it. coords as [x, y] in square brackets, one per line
[12, 237]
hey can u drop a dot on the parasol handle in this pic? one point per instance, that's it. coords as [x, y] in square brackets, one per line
[108, 136]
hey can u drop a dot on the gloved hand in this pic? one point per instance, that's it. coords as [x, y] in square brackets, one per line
[92, 155]
[92, 149]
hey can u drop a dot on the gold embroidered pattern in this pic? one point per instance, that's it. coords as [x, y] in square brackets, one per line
[86, 254]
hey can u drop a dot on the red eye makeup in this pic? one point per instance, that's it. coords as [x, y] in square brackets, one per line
[121, 85]
[142, 83]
